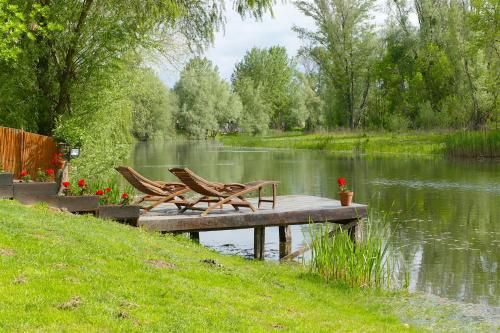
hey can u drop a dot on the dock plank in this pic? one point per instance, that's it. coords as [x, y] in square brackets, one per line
[290, 209]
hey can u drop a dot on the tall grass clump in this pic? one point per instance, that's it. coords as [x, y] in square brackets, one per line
[370, 263]
[473, 144]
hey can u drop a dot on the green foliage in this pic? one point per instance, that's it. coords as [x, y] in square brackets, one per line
[207, 105]
[154, 107]
[442, 73]
[256, 113]
[369, 263]
[473, 144]
[342, 46]
[269, 73]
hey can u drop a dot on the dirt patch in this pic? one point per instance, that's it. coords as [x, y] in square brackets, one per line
[278, 326]
[19, 280]
[129, 304]
[73, 303]
[6, 252]
[211, 262]
[160, 264]
[60, 265]
[123, 315]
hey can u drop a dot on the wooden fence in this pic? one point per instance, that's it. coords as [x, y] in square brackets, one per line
[20, 150]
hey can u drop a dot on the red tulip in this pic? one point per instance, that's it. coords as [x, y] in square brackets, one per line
[124, 196]
[24, 173]
[99, 192]
[49, 172]
[66, 184]
[108, 189]
[81, 183]
[341, 181]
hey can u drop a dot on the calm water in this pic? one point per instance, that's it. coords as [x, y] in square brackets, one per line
[445, 215]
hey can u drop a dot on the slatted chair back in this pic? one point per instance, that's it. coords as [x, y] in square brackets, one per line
[140, 182]
[196, 183]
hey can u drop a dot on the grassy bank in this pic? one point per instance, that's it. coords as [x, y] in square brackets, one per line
[411, 143]
[60, 272]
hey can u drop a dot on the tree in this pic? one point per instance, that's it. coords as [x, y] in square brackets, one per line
[153, 106]
[343, 47]
[95, 34]
[207, 105]
[270, 72]
[256, 113]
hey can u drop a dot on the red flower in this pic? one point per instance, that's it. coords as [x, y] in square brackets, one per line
[99, 192]
[81, 183]
[66, 184]
[50, 172]
[341, 181]
[108, 189]
[124, 196]
[24, 173]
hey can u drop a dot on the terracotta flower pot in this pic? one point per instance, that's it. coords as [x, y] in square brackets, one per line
[346, 198]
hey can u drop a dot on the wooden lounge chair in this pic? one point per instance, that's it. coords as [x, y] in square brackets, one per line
[157, 192]
[221, 194]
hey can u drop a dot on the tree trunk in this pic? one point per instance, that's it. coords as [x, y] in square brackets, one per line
[67, 74]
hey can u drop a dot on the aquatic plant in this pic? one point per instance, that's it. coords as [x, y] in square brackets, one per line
[473, 144]
[370, 262]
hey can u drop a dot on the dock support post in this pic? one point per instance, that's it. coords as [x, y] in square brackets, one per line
[285, 244]
[356, 231]
[259, 239]
[195, 236]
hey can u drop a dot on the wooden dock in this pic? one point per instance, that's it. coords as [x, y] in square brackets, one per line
[290, 210]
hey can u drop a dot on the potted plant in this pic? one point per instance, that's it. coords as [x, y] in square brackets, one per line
[28, 191]
[6, 184]
[122, 211]
[345, 194]
[76, 200]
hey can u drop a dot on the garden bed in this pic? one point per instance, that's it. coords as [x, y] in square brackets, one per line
[77, 204]
[6, 185]
[32, 192]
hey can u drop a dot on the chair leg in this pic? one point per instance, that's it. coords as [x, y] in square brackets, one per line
[165, 199]
[274, 194]
[260, 197]
[188, 206]
[226, 200]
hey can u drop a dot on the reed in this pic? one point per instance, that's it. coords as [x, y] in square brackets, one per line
[473, 144]
[371, 263]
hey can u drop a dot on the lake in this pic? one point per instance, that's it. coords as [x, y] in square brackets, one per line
[443, 214]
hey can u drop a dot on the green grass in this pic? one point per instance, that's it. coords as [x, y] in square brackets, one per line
[473, 144]
[411, 143]
[66, 273]
[60, 272]
[370, 263]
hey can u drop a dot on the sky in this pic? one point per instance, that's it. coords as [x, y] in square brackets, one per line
[242, 34]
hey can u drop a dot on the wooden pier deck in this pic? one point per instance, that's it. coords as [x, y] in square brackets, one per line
[290, 210]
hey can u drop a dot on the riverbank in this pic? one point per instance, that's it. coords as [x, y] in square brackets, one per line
[62, 272]
[473, 144]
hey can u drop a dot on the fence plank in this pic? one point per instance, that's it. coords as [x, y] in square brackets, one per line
[20, 150]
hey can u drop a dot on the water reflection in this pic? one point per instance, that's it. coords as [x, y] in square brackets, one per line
[445, 213]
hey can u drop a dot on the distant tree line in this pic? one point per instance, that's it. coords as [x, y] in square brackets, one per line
[76, 69]
[440, 72]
